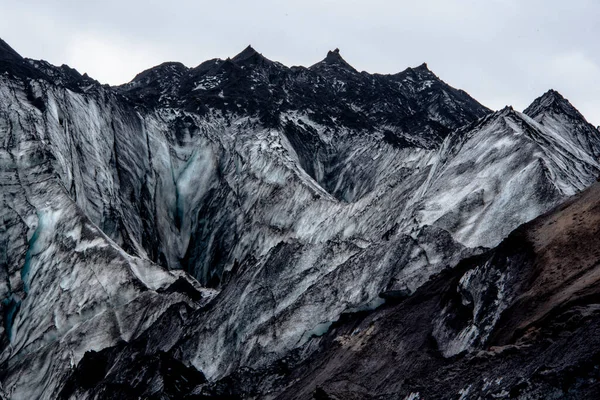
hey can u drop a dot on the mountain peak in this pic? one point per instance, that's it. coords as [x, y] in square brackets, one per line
[551, 96]
[551, 102]
[161, 71]
[421, 72]
[333, 55]
[246, 54]
[334, 58]
[8, 53]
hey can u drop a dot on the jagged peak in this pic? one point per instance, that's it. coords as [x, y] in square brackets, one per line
[247, 54]
[551, 102]
[493, 117]
[164, 67]
[334, 58]
[422, 67]
[505, 112]
[549, 97]
[420, 72]
[553, 93]
[8, 53]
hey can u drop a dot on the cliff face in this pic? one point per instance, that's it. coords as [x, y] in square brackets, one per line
[226, 214]
[518, 321]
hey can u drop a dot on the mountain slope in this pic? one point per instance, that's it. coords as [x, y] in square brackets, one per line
[505, 171]
[319, 108]
[516, 322]
[66, 286]
[296, 194]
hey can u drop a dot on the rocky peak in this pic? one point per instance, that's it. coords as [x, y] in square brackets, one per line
[420, 73]
[162, 71]
[17, 66]
[152, 84]
[14, 64]
[334, 56]
[246, 53]
[551, 102]
[333, 59]
[552, 109]
[422, 69]
[250, 56]
[8, 53]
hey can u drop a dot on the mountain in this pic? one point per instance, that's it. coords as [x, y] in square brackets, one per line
[517, 321]
[506, 170]
[214, 220]
[8, 54]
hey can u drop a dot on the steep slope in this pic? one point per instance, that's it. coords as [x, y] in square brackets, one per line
[518, 321]
[145, 160]
[94, 189]
[556, 113]
[320, 108]
[273, 304]
[66, 287]
[504, 171]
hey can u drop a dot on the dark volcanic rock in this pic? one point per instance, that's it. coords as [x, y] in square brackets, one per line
[7, 53]
[16, 66]
[331, 91]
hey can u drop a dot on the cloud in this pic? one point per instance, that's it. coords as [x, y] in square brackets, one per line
[111, 59]
[576, 68]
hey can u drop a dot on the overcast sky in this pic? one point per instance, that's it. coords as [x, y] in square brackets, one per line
[503, 52]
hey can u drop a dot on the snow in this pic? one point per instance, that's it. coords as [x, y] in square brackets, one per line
[495, 167]
[464, 392]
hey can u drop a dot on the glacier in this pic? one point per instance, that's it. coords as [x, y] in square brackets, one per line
[253, 203]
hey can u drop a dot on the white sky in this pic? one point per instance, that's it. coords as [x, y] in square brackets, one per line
[503, 52]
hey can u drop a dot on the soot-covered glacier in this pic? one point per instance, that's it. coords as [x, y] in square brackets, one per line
[223, 231]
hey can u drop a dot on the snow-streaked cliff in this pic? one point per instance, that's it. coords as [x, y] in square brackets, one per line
[295, 194]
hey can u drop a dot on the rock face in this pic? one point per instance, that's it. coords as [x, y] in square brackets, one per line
[211, 222]
[518, 321]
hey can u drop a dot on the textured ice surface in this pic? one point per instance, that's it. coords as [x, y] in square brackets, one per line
[71, 288]
[104, 203]
[506, 171]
